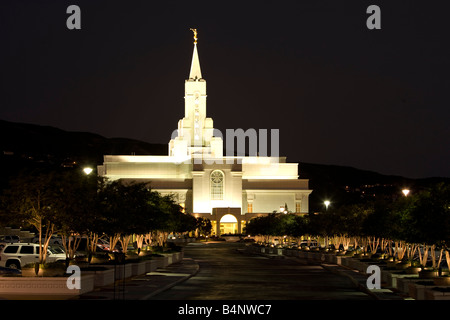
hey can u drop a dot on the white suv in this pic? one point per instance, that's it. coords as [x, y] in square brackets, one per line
[16, 255]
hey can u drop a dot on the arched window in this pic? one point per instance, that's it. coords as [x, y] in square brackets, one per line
[217, 185]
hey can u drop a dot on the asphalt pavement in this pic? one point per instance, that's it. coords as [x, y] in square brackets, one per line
[226, 271]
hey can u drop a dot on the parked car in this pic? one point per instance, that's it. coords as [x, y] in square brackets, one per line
[9, 271]
[4, 240]
[246, 239]
[16, 255]
[311, 244]
[104, 245]
[54, 239]
[10, 239]
[275, 242]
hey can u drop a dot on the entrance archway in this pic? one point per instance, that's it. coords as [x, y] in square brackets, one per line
[228, 224]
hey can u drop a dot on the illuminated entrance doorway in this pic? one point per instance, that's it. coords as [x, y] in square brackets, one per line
[228, 224]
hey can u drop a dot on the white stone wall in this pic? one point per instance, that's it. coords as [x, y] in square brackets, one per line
[146, 170]
[267, 201]
[270, 170]
[201, 186]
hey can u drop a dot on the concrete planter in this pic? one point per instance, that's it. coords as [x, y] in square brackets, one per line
[100, 259]
[289, 252]
[151, 265]
[346, 262]
[162, 262]
[138, 268]
[177, 256]
[392, 278]
[428, 274]
[385, 277]
[28, 272]
[417, 291]
[101, 277]
[437, 293]
[52, 271]
[353, 263]
[442, 281]
[311, 255]
[358, 265]
[42, 287]
[413, 270]
[363, 266]
[339, 260]
[330, 258]
[403, 283]
[56, 287]
[403, 265]
[169, 257]
[392, 264]
[123, 271]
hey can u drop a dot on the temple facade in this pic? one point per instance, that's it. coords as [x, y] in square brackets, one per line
[227, 189]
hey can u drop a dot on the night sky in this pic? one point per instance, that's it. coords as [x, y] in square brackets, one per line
[339, 93]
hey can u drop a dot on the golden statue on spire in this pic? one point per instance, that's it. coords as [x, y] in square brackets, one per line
[195, 35]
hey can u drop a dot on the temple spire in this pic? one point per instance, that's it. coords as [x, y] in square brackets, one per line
[195, 72]
[195, 35]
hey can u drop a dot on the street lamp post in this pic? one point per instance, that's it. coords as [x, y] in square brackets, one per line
[405, 192]
[284, 209]
[326, 203]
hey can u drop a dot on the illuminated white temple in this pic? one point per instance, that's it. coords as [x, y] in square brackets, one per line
[229, 190]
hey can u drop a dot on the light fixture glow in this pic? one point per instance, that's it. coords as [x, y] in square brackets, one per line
[228, 218]
[405, 192]
[87, 170]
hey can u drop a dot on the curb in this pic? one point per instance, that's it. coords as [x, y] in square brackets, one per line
[356, 283]
[361, 285]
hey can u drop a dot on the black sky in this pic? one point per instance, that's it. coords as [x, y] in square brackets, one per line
[339, 93]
